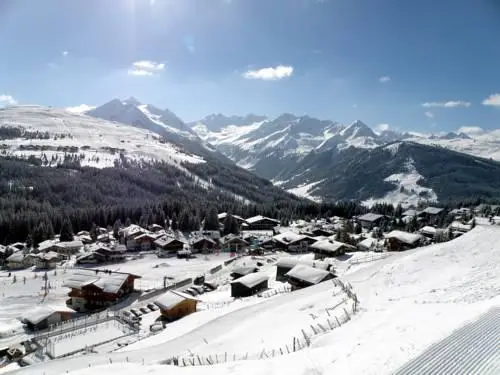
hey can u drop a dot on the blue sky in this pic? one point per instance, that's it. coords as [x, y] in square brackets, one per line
[422, 65]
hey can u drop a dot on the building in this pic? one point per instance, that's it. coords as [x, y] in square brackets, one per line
[19, 261]
[5, 252]
[175, 305]
[97, 289]
[398, 240]
[43, 317]
[243, 271]
[431, 211]
[260, 222]
[142, 242]
[369, 221]
[47, 261]
[249, 285]
[428, 231]
[203, 245]
[292, 242]
[47, 245]
[303, 276]
[68, 248]
[168, 246]
[329, 248]
[233, 244]
[222, 218]
[370, 244]
[284, 265]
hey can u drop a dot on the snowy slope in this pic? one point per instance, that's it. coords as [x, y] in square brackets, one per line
[407, 302]
[99, 141]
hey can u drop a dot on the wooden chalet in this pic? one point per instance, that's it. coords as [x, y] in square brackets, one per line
[292, 242]
[243, 271]
[234, 244]
[268, 244]
[5, 252]
[18, 246]
[97, 289]
[303, 276]
[371, 220]
[47, 261]
[68, 248]
[47, 245]
[249, 285]
[203, 245]
[328, 248]
[428, 231]
[43, 317]
[222, 218]
[260, 222]
[398, 240]
[284, 265]
[175, 305]
[19, 261]
[101, 253]
[168, 246]
[142, 242]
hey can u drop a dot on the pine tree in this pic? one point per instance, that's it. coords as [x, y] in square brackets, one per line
[174, 224]
[29, 241]
[167, 223]
[357, 228]
[228, 224]
[128, 222]
[66, 230]
[93, 232]
[235, 227]
[211, 220]
[116, 227]
[185, 222]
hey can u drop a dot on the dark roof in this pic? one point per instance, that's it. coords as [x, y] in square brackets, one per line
[370, 217]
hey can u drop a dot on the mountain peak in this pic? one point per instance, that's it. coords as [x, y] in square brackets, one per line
[131, 101]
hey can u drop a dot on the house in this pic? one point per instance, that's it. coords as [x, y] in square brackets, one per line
[222, 218]
[43, 317]
[303, 276]
[260, 222]
[428, 231]
[203, 245]
[457, 226]
[110, 254]
[47, 245]
[242, 271]
[97, 289]
[292, 242]
[431, 211]
[249, 285]
[329, 248]
[184, 254]
[370, 220]
[5, 252]
[284, 265]
[168, 246]
[105, 237]
[19, 260]
[142, 242]
[175, 305]
[233, 244]
[321, 232]
[370, 244]
[268, 244]
[47, 261]
[399, 240]
[155, 228]
[68, 248]
[212, 234]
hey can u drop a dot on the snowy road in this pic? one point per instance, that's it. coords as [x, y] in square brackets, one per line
[472, 349]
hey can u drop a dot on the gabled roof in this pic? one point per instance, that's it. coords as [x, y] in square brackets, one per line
[428, 230]
[252, 279]
[109, 282]
[410, 213]
[69, 244]
[44, 245]
[306, 273]
[433, 210]
[330, 246]
[289, 237]
[164, 241]
[370, 217]
[171, 299]
[290, 262]
[16, 257]
[255, 219]
[223, 215]
[405, 237]
[38, 314]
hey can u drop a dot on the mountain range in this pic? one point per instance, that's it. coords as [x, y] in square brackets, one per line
[321, 160]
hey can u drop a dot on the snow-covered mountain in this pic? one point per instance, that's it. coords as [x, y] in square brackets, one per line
[217, 122]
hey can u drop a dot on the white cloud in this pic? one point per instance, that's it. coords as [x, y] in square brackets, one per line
[65, 53]
[80, 108]
[429, 114]
[448, 104]
[270, 74]
[145, 68]
[382, 127]
[470, 129]
[492, 100]
[7, 100]
[384, 79]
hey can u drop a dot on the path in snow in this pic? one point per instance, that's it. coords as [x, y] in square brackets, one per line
[472, 349]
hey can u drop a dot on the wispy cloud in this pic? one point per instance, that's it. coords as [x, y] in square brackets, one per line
[492, 100]
[65, 53]
[448, 104]
[189, 44]
[145, 68]
[429, 114]
[384, 79]
[382, 127]
[80, 108]
[470, 129]
[270, 74]
[7, 100]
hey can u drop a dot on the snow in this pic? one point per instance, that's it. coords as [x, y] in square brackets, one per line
[305, 190]
[251, 279]
[408, 301]
[405, 237]
[393, 148]
[171, 299]
[307, 273]
[407, 191]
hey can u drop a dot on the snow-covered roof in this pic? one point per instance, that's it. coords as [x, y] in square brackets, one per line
[329, 245]
[252, 279]
[107, 282]
[290, 262]
[432, 210]
[171, 299]
[37, 314]
[370, 217]
[368, 243]
[456, 225]
[406, 237]
[244, 270]
[410, 212]
[306, 273]
[16, 257]
[51, 255]
[428, 230]
[42, 246]
[257, 218]
[289, 237]
[70, 244]
[164, 241]
[223, 215]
